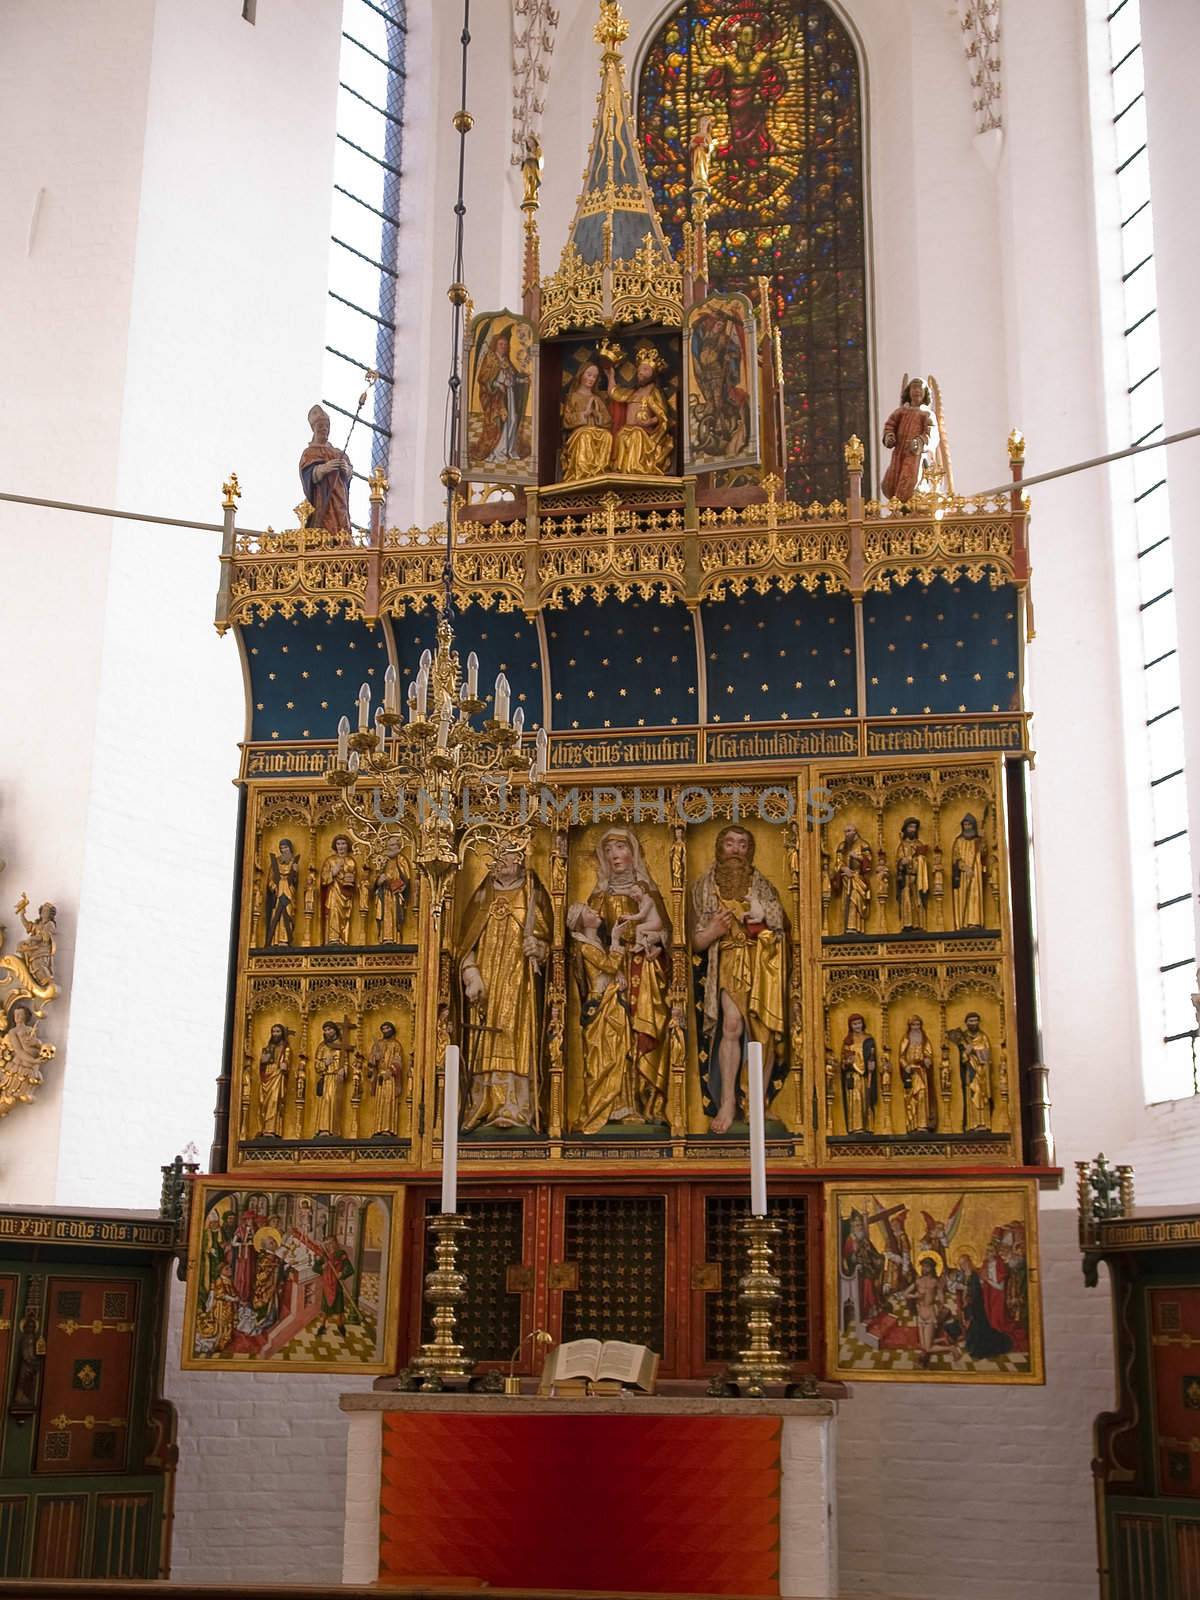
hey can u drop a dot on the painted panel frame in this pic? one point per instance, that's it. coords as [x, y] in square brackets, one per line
[335, 1244]
[982, 1324]
[499, 440]
[720, 385]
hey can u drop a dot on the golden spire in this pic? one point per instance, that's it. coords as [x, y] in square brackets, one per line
[611, 30]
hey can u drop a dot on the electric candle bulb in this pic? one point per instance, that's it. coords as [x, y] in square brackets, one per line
[364, 707]
[502, 693]
[343, 741]
[422, 689]
[472, 676]
[391, 690]
[519, 723]
[543, 746]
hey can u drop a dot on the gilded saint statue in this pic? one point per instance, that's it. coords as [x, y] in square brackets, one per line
[503, 942]
[391, 877]
[850, 881]
[860, 1077]
[385, 1080]
[644, 442]
[740, 930]
[975, 1072]
[968, 869]
[22, 1054]
[908, 434]
[283, 889]
[329, 1073]
[915, 1060]
[274, 1070]
[339, 880]
[587, 427]
[912, 876]
[620, 950]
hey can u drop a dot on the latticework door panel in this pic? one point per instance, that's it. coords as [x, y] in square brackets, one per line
[619, 1244]
[724, 1319]
[489, 1322]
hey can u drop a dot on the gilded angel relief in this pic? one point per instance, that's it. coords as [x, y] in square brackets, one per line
[27, 987]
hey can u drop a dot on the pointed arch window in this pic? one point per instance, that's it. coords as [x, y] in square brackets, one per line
[782, 85]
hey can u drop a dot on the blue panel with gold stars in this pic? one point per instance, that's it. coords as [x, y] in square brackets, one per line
[622, 664]
[305, 673]
[504, 642]
[778, 657]
[947, 648]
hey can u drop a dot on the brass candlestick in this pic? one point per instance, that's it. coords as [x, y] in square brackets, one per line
[445, 1288]
[758, 1291]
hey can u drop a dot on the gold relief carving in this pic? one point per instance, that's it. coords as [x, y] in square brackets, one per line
[27, 990]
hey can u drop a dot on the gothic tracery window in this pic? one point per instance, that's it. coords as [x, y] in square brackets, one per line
[781, 83]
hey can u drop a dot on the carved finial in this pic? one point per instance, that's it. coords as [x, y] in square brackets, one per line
[378, 482]
[1016, 447]
[232, 490]
[304, 513]
[612, 29]
[855, 453]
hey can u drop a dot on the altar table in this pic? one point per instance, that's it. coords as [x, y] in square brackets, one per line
[659, 1494]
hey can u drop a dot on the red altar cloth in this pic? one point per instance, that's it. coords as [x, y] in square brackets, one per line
[675, 1505]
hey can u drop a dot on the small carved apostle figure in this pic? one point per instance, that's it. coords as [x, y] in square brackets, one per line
[40, 942]
[587, 427]
[975, 1071]
[283, 889]
[738, 923]
[531, 171]
[598, 962]
[325, 473]
[329, 1071]
[859, 1075]
[850, 880]
[339, 877]
[702, 144]
[643, 442]
[912, 876]
[385, 1077]
[640, 1070]
[915, 1059]
[968, 869]
[274, 1069]
[390, 880]
[907, 433]
[678, 855]
[503, 943]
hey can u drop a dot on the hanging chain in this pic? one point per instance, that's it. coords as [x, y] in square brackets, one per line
[457, 292]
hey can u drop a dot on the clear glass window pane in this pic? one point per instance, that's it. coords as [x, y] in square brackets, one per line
[1137, 239]
[1168, 804]
[361, 176]
[1166, 745]
[1174, 868]
[1125, 30]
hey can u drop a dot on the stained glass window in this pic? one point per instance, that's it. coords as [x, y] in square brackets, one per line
[781, 84]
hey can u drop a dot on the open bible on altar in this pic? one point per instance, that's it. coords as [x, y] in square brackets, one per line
[589, 1366]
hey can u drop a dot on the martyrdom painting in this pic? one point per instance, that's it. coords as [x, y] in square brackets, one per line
[720, 391]
[498, 432]
[291, 1279]
[778, 82]
[934, 1282]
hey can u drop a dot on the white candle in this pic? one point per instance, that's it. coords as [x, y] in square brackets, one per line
[450, 1132]
[412, 701]
[543, 745]
[444, 727]
[501, 698]
[364, 707]
[472, 676]
[758, 1131]
[422, 691]
[391, 688]
[518, 723]
[343, 741]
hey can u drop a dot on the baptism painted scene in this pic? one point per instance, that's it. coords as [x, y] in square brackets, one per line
[291, 1279]
[935, 1281]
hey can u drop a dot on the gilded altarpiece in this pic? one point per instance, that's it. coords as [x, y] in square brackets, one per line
[783, 796]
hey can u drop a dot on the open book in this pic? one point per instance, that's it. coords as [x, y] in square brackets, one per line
[587, 1366]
